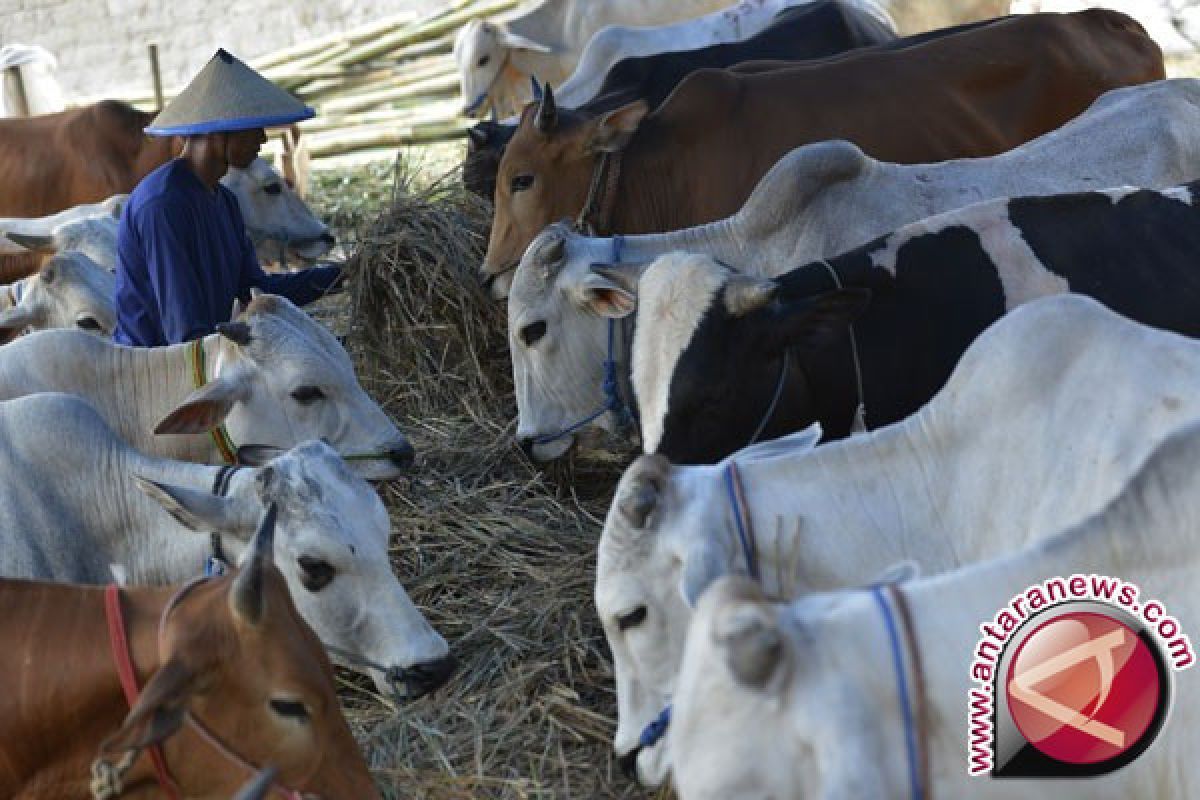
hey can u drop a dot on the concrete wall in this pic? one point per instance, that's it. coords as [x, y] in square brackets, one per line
[101, 44]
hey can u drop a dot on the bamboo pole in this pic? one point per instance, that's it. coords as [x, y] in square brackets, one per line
[156, 75]
[425, 30]
[313, 47]
[366, 100]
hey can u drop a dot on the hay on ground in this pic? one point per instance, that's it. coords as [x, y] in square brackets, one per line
[499, 555]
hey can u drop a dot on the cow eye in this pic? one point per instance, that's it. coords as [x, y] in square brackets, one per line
[521, 183]
[315, 574]
[632, 619]
[292, 709]
[273, 188]
[483, 62]
[307, 395]
[532, 332]
[88, 324]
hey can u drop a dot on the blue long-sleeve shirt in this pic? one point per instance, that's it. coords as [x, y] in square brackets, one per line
[183, 256]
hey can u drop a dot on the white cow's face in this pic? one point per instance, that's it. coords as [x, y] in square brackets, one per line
[650, 566]
[558, 336]
[276, 218]
[69, 291]
[331, 544]
[784, 702]
[479, 55]
[281, 378]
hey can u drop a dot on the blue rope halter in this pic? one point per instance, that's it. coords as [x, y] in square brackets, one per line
[917, 758]
[610, 385]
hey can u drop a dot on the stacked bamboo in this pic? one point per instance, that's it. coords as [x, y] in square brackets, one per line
[387, 84]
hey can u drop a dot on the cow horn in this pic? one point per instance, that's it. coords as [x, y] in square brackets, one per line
[547, 114]
[636, 504]
[752, 642]
[236, 332]
[246, 595]
[536, 88]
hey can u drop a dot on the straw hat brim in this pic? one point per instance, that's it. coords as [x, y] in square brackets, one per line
[227, 96]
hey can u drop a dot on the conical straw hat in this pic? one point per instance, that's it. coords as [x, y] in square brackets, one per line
[227, 96]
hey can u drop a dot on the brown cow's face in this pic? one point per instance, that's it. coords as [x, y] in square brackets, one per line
[239, 659]
[544, 176]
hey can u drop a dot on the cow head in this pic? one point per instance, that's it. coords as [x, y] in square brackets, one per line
[485, 147]
[280, 378]
[235, 655]
[482, 52]
[669, 533]
[332, 548]
[544, 175]
[69, 291]
[277, 220]
[89, 229]
[558, 312]
[709, 351]
[785, 702]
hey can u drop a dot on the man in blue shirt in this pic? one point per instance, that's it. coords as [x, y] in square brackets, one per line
[183, 254]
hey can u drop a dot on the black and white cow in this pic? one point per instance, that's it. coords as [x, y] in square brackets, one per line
[718, 356]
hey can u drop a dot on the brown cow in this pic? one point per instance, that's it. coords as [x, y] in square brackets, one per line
[230, 654]
[697, 158]
[84, 155]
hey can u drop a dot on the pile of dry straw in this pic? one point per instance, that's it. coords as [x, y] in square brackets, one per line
[499, 555]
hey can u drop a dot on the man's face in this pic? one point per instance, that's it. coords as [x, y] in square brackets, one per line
[241, 147]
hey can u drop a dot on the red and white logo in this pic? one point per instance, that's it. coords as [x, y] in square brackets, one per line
[1083, 688]
[1072, 678]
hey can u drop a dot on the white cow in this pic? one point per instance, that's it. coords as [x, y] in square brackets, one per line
[71, 510]
[1173, 24]
[282, 227]
[618, 42]
[273, 376]
[497, 60]
[817, 202]
[1060, 393]
[69, 291]
[803, 701]
[90, 229]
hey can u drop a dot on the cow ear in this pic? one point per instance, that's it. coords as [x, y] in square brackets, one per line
[205, 408]
[34, 243]
[516, 41]
[200, 511]
[753, 644]
[812, 321]
[608, 293]
[611, 132]
[158, 713]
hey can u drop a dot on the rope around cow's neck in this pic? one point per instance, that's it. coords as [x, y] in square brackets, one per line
[106, 777]
[913, 708]
[220, 435]
[859, 423]
[610, 383]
